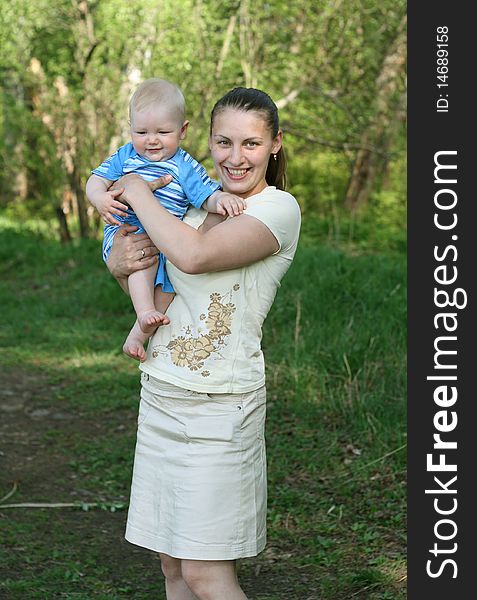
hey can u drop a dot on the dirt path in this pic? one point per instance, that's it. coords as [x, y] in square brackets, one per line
[31, 459]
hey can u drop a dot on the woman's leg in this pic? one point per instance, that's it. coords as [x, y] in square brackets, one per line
[176, 587]
[212, 579]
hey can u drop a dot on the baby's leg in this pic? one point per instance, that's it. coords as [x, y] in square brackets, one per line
[134, 344]
[162, 299]
[141, 288]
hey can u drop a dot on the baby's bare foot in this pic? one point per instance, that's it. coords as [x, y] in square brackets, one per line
[134, 344]
[134, 349]
[150, 320]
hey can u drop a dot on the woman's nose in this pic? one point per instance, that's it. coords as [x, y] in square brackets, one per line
[236, 156]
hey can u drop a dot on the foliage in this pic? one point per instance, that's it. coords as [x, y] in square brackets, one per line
[69, 66]
[379, 228]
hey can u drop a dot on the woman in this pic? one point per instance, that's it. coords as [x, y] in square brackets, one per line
[198, 495]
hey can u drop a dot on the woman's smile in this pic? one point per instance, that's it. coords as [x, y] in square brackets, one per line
[236, 174]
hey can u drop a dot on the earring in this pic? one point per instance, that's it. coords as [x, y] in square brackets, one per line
[274, 157]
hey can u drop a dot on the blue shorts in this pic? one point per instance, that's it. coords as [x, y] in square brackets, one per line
[109, 233]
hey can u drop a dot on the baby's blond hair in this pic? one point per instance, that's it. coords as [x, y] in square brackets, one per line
[156, 91]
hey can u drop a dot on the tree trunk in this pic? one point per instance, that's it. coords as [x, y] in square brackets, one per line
[368, 165]
[362, 178]
[65, 235]
[80, 197]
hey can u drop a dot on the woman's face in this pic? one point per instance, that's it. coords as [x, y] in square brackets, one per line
[240, 145]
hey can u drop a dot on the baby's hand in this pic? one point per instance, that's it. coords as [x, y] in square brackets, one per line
[231, 205]
[107, 206]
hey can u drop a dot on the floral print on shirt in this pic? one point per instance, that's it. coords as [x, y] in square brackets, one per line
[192, 351]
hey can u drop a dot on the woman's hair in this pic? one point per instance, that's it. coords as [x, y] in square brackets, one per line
[252, 99]
[154, 91]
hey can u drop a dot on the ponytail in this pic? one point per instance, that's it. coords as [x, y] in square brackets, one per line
[277, 170]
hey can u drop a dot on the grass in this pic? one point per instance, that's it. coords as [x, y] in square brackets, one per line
[335, 350]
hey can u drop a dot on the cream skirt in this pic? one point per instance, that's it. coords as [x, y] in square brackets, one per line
[199, 482]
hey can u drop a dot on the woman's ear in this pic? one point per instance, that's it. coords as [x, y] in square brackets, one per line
[277, 142]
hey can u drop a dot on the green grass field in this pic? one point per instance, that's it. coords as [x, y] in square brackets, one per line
[335, 349]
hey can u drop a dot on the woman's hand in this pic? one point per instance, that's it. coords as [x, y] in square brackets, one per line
[130, 252]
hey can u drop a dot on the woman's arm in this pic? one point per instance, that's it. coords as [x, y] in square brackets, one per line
[235, 242]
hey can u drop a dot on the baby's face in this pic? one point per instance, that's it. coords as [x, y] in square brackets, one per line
[156, 132]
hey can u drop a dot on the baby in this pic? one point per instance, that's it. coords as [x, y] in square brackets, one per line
[157, 119]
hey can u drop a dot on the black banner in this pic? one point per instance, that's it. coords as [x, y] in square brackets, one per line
[442, 420]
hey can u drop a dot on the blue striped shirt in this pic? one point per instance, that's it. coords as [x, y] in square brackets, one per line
[190, 183]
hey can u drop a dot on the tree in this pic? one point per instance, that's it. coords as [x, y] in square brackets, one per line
[378, 136]
[334, 68]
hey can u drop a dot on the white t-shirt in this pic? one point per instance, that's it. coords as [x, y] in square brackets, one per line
[212, 343]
